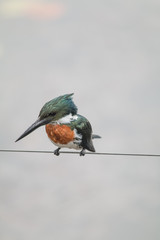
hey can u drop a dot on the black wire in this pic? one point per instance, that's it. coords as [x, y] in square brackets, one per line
[95, 153]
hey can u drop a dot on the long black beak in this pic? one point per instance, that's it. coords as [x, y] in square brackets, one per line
[34, 126]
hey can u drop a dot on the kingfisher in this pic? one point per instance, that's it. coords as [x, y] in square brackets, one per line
[64, 126]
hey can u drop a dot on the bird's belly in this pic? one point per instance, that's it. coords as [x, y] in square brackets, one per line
[63, 136]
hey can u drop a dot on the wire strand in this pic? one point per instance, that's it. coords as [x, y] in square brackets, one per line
[70, 152]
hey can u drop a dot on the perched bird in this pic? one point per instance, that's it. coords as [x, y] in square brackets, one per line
[64, 127]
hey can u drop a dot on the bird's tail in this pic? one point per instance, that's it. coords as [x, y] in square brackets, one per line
[95, 136]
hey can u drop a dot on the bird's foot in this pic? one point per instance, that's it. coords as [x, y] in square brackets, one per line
[56, 152]
[82, 153]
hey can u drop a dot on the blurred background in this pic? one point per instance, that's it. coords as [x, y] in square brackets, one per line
[108, 54]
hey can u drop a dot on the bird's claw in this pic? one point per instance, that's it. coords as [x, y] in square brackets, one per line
[82, 153]
[56, 152]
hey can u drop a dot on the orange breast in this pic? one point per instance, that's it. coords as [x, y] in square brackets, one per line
[60, 133]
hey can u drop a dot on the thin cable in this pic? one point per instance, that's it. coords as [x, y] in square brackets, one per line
[95, 153]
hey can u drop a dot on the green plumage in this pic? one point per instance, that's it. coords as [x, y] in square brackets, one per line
[83, 127]
[58, 107]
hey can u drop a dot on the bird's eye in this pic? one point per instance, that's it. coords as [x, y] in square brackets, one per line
[52, 114]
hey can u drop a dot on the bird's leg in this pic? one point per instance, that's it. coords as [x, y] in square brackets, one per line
[56, 152]
[82, 153]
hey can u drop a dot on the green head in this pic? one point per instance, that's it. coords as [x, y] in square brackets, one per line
[52, 111]
[58, 108]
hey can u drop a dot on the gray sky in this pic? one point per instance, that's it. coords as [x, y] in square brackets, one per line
[107, 53]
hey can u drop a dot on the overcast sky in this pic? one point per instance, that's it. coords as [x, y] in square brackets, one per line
[108, 54]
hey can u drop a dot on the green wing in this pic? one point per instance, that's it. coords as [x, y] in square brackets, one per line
[83, 127]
